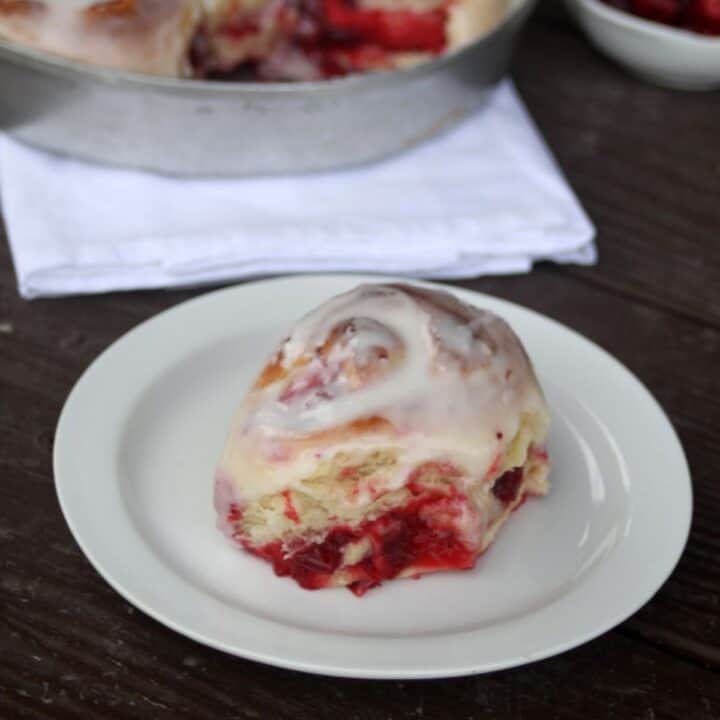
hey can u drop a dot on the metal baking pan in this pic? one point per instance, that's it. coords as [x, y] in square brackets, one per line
[199, 127]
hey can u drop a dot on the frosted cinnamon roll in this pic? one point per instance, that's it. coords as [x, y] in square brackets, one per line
[391, 434]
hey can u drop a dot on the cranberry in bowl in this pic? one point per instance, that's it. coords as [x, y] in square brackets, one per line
[673, 43]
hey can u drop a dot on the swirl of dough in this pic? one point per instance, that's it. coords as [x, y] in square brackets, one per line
[417, 358]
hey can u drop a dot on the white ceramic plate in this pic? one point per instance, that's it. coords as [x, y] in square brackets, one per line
[140, 434]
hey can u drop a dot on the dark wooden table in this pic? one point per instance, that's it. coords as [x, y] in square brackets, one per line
[646, 163]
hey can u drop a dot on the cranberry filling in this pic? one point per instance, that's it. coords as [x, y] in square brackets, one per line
[337, 36]
[239, 28]
[312, 565]
[408, 536]
[507, 485]
[349, 39]
[290, 512]
[393, 30]
[234, 513]
[421, 535]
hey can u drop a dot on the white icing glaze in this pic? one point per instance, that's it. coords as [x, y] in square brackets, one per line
[154, 38]
[452, 380]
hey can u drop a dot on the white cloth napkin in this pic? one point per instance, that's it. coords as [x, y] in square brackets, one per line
[486, 197]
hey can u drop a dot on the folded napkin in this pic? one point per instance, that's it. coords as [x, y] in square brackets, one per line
[486, 197]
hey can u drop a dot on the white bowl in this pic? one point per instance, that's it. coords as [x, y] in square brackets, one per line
[664, 55]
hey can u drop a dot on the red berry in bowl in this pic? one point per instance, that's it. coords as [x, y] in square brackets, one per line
[702, 16]
[662, 11]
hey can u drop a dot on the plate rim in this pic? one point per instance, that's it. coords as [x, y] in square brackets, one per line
[64, 427]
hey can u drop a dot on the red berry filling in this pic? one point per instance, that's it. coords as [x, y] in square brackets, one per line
[421, 535]
[341, 37]
[234, 513]
[393, 30]
[337, 36]
[290, 512]
[506, 487]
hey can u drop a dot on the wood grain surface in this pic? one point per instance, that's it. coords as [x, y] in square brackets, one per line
[646, 164]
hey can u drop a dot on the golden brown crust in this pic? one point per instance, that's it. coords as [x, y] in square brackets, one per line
[111, 8]
[21, 7]
[272, 372]
[136, 16]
